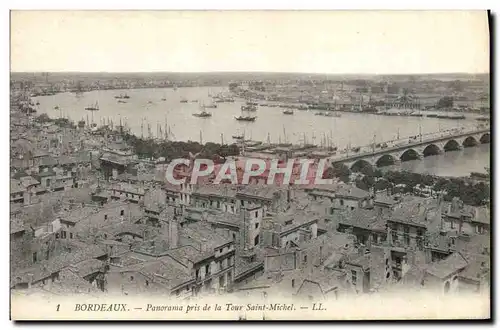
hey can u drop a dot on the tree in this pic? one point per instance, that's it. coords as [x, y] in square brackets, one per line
[342, 172]
[445, 102]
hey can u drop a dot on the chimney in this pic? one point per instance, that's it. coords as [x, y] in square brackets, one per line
[173, 230]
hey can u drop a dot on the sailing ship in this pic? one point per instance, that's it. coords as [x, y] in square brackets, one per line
[288, 112]
[122, 96]
[94, 107]
[245, 117]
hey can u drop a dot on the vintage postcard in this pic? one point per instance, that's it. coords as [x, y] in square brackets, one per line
[250, 165]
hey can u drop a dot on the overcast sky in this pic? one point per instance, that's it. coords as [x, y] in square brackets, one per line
[285, 41]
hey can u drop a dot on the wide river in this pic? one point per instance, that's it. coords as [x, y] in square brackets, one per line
[145, 106]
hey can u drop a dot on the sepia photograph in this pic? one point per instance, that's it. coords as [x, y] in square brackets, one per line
[250, 165]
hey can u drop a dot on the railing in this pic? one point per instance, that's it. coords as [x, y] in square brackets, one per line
[417, 140]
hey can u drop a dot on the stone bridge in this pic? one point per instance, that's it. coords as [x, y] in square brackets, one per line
[416, 149]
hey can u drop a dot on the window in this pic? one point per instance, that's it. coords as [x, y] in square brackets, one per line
[420, 243]
[407, 230]
[234, 236]
[70, 235]
[407, 239]
[131, 278]
[242, 203]
[256, 240]
[34, 257]
[63, 234]
[221, 281]
[354, 277]
[452, 223]
[105, 217]
[221, 250]
[341, 202]
[305, 258]
[256, 214]
[197, 274]
[207, 269]
[293, 283]
[256, 225]
[147, 283]
[122, 212]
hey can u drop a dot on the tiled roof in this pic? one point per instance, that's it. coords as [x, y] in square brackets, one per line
[451, 264]
[362, 218]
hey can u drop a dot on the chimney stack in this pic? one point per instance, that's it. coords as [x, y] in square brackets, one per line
[173, 229]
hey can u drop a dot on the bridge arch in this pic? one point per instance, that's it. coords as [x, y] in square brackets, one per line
[470, 141]
[409, 154]
[360, 164]
[430, 150]
[451, 145]
[485, 138]
[385, 160]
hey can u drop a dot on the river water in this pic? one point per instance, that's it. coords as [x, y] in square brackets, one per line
[146, 106]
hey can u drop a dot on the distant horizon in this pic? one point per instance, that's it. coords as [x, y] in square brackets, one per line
[260, 72]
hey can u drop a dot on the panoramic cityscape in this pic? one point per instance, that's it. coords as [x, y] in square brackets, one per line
[120, 184]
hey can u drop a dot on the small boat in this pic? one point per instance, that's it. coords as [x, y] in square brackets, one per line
[319, 114]
[150, 102]
[94, 107]
[288, 112]
[245, 118]
[211, 106]
[483, 119]
[238, 137]
[432, 115]
[183, 100]
[248, 107]
[203, 114]
[122, 96]
[56, 107]
[121, 101]
[332, 114]
[163, 99]
[194, 101]
[37, 103]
